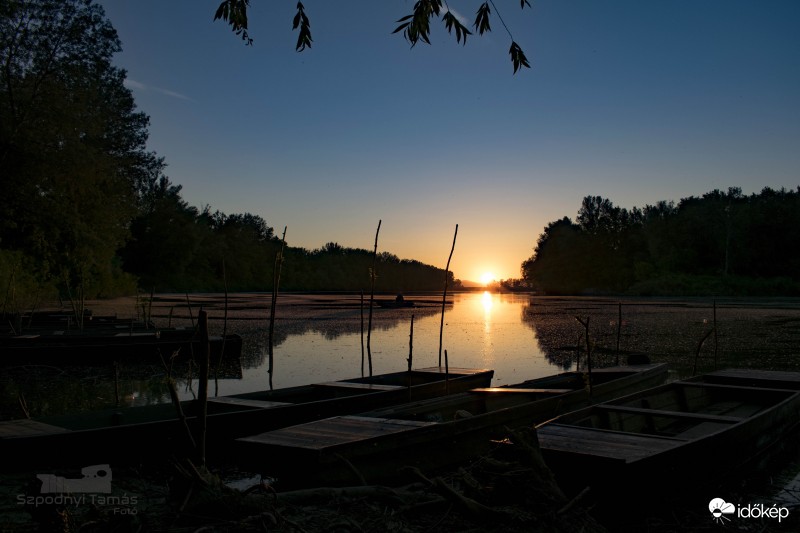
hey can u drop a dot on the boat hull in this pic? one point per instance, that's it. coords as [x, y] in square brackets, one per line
[675, 438]
[375, 446]
[136, 434]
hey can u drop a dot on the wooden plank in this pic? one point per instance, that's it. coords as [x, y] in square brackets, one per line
[749, 374]
[508, 390]
[27, 428]
[353, 385]
[333, 432]
[725, 386]
[451, 370]
[669, 414]
[616, 445]
[246, 402]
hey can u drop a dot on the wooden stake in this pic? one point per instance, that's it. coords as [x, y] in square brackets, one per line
[202, 386]
[372, 298]
[411, 345]
[362, 333]
[276, 279]
[446, 374]
[619, 327]
[444, 294]
[588, 350]
[716, 341]
[189, 305]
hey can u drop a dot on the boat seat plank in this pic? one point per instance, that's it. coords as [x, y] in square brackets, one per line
[750, 374]
[27, 428]
[450, 370]
[670, 414]
[354, 385]
[247, 402]
[731, 387]
[334, 431]
[508, 390]
[615, 445]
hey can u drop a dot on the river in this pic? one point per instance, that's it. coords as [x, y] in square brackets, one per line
[318, 337]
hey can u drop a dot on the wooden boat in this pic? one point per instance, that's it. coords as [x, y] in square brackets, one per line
[130, 435]
[394, 304]
[426, 434]
[672, 438]
[75, 348]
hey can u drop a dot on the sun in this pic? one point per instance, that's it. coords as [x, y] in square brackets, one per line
[487, 278]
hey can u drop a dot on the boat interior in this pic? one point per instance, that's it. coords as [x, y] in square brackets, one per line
[683, 409]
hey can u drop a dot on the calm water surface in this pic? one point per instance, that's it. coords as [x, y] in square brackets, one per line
[319, 338]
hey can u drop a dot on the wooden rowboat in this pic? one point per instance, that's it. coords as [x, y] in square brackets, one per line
[130, 435]
[426, 434]
[672, 438]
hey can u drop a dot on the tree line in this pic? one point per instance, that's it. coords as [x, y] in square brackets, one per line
[86, 210]
[721, 243]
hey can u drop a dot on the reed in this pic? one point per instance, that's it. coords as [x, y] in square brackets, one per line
[444, 293]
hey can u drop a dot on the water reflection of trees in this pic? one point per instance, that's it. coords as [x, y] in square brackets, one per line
[751, 333]
[254, 350]
[562, 338]
[43, 390]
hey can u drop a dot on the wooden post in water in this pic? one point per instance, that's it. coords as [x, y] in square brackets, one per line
[372, 298]
[116, 383]
[716, 342]
[585, 325]
[446, 374]
[202, 387]
[362, 333]
[276, 279]
[444, 294]
[150, 308]
[619, 327]
[411, 344]
[189, 305]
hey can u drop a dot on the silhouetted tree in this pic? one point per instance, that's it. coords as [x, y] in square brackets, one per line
[415, 27]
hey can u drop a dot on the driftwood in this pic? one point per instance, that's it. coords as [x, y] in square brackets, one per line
[474, 509]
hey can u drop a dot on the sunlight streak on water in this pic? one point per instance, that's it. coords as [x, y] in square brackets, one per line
[482, 330]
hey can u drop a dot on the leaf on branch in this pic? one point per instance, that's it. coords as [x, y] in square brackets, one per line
[234, 12]
[450, 22]
[518, 57]
[482, 20]
[416, 27]
[300, 19]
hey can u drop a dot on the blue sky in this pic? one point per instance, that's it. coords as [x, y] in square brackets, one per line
[634, 100]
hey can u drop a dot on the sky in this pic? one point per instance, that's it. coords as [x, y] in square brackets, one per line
[634, 100]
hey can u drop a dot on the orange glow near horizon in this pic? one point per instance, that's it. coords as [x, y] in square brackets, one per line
[487, 278]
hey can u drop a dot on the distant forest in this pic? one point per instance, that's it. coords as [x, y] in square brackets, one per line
[177, 247]
[723, 243]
